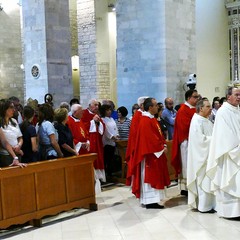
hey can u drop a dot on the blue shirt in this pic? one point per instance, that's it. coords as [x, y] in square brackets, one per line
[169, 117]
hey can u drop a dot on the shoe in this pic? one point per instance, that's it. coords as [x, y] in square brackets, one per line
[210, 211]
[154, 206]
[184, 193]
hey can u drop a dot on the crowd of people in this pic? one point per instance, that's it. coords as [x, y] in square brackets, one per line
[205, 152]
[205, 144]
[38, 132]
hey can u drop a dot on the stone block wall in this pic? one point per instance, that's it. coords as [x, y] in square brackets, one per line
[141, 55]
[156, 49]
[87, 50]
[47, 44]
[11, 75]
[180, 46]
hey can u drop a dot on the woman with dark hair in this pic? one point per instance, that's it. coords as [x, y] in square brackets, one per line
[11, 131]
[47, 134]
[135, 107]
[161, 121]
[123, 123]
[109, 137]
[30, 146]
[215, 107]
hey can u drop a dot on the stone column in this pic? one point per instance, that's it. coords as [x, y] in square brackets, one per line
[155, 49]
[93, 45]
[11, 75]
[47, 48]
[87, 50]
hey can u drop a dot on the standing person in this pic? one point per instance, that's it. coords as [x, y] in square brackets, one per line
[133, 130]
[180, 137]
[17, 113]
[224, 156]
[161, 121]
[65, 138]
[73, 101]
[109, 138]
[47, 134]
[30, 145]
[135, 107]
[148, 166]
[215, 107]
[11, 131]
[123, 123]
[79, 132]
[169, 115]
[198, 184]
[5, 145]
[95, 127]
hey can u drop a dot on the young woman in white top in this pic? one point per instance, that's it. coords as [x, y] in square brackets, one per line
[109, 137]
[11, 132]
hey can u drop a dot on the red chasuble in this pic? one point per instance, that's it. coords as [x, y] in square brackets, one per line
[96, 144]
[79, 132]
[181, 131]
[132, 140]
[149, 140]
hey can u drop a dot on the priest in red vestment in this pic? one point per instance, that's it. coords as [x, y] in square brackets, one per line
[180, 137]
[78, 129]
[148, 167]
[132, 133]
[95, 127]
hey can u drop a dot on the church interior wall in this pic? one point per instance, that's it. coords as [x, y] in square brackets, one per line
[207, 51]
[180, 47]
[213, 70]
[11, 74]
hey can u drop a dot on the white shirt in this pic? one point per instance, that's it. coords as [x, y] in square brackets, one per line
[110, 131]
[12, 133]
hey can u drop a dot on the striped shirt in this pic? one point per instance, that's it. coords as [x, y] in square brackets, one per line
[123, 128]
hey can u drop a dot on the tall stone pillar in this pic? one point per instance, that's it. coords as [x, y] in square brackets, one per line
[47, 50]
[155, 49]
[93, 45]
[87, 50]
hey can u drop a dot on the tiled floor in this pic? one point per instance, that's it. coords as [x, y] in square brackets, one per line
[121, 217]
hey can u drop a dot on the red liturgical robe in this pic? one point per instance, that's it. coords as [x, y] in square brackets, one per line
[96, 144]
[149, 140]
[181, 131]
[79, 132]
[132, 139]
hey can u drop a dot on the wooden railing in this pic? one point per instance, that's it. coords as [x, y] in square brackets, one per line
[122, 144]
[46, 188]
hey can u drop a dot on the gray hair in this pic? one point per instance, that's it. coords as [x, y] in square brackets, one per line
[65, 105]
[200, 104]
[91, 101]
[75, 107]
[141, 100]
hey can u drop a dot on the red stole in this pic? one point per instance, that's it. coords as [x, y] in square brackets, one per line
[132, 140]
[181, 131]
[96, 144]
[79, 132]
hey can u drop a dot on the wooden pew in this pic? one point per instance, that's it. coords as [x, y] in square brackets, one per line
[122, 144]
[46, 188]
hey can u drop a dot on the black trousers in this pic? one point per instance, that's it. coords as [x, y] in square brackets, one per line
[108, 159]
